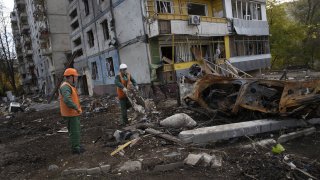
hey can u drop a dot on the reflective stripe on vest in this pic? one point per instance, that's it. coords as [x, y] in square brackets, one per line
[64, 109]
[126, 84]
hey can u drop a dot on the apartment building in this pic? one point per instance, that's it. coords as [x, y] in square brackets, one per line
[42, 42]
[20, 28]
[160, 40]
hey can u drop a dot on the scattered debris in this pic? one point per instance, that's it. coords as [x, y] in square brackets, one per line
[15, 107]
[53, 167]
[131, 166]
[262, 143]
[203, 159]
[286, 98]
[164, 136]
[179, 121]
[286, 137]
[168, 167]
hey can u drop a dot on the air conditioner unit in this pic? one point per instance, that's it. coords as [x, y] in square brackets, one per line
[194, 20]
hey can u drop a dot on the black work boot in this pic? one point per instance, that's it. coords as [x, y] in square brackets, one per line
[78, 150]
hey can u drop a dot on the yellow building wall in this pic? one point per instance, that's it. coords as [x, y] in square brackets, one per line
[180, 10]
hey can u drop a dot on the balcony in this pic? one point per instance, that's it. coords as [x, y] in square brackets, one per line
[28, 53]
[179, 24]
[44, 33]
[23, 16]
[25, 28]
[20, 2]
[46, 52]
[15, 32]
[27, 40]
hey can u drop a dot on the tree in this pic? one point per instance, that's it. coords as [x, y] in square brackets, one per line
[307, 13]
[7, 57]
[286, 37]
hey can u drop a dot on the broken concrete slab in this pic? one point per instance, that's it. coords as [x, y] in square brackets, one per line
[131, 166]
[227, 131]
[193, 159]
[105, 168]
[93, 171]
[286, 137]
[168, 167]
[178, 121]
[314, 121]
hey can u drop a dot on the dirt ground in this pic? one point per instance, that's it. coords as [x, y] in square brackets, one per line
[30, 143]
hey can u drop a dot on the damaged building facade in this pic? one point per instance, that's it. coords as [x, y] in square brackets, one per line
[160, 40]
[41, 37]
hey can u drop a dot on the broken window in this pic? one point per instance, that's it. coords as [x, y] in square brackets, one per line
[77, 42]
[166, 54]
[86, 7]
[90, 38]
[105, 28]
[94, 71]
[164, 6]
[110, 67]
[246, 10]
[73, 14]
[75, 25]
[197, 9]
[248, 46]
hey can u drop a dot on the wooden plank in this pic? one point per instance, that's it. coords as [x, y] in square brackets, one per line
[164, 136]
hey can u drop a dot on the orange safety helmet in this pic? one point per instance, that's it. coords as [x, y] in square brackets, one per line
[70, 72]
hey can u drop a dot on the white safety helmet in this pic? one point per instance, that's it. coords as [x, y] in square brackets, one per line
[123, 66]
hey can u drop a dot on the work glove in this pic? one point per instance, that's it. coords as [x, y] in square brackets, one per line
[137, 87]
[125, 90]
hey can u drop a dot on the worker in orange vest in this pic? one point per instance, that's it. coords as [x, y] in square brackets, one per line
[70, 108]
[124, 81]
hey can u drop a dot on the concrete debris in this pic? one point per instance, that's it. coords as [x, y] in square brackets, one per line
[94, 171]
[286, 137]
[131, 166]
[203, 159]
[105, 168]
[15, 107]
[263, 143]
[179, 121]
[227, 131]
[193, 159]
[53, 167]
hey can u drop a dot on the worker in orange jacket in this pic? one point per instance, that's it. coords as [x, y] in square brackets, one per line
[70, 108]
[124, 81]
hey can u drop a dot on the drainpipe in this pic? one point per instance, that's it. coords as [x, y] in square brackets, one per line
[115, 30]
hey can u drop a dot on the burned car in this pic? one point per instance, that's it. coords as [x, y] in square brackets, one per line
[234, 95]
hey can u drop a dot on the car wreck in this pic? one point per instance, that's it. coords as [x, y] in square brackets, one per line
[235, 95]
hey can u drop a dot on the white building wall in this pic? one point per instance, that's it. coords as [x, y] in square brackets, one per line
[129, 26]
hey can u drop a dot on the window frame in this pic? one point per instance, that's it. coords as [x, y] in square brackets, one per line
[110, 68]
[105, 29]
[249, 6]
[94, 71]
[167, 1]
[90, 37]
[86, 7]
[205, 6]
